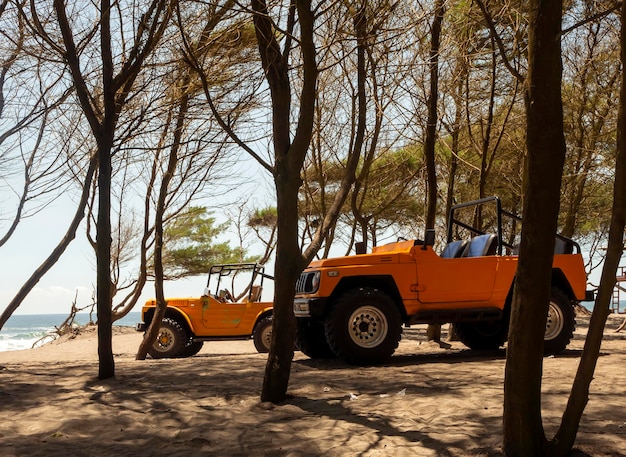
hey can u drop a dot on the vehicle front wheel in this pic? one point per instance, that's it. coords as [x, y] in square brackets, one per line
[171, 340]
[262, 335]
[364, 327]
[560, 325]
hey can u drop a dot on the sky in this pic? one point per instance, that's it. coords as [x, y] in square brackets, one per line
[32, 242]
[74, 275]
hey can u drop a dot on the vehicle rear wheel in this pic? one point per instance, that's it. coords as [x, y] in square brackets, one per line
[171, 340]
[262, 334]
[192, 348]
[483, 336]
[364, 327]
[311, 340]
[560, 324]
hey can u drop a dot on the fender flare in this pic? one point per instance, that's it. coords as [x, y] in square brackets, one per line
[172, 312]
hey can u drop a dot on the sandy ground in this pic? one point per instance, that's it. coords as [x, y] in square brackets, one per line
[427, 401]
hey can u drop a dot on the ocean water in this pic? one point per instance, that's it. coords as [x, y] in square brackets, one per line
[24, 331]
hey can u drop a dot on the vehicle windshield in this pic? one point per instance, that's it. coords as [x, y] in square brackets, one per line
[236, 282]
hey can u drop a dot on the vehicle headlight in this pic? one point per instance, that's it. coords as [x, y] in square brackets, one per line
[315, 281]
[308, 283]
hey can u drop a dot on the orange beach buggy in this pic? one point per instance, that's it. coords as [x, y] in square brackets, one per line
[219, 314]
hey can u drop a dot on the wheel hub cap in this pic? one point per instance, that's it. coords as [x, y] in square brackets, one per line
[555, 322]
[367, 327]
[164, 340]
[267, 337]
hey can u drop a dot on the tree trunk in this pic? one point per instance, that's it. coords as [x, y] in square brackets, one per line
[431, 127]
[103, 267]
[486, 136]
[286, 272]
[101, 112]
[523, 428]
[461, 71]
[161, 305]
[433, 332]
[289, 158]
[563, 441]
[104, 138]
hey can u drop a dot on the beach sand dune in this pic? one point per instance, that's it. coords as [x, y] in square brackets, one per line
[427, 401]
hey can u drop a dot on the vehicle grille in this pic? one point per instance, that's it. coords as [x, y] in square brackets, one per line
[304, 285]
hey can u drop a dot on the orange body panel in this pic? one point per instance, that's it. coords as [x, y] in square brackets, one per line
[210, 317]
[427, 282]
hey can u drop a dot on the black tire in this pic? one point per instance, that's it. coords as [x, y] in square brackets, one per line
[192, 348]
[483, 336]
[171, 340]
[311, 340]
[363, 327]
[262, 335]
[560, 325]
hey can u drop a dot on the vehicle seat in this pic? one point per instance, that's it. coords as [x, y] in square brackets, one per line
[454, 249]
[255, 293]
[562, 246]
[482, 245]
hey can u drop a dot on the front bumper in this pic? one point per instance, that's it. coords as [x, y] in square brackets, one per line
[141, 327]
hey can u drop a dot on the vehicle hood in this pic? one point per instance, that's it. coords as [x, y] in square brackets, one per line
[389, 253]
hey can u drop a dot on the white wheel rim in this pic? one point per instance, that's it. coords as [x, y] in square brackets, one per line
[367, 327]
[555, 322]
[266, 336]
[165, 340]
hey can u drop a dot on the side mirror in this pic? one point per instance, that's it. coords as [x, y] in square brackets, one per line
[429, 238]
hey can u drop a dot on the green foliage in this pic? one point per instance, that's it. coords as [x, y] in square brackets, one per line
[389, 195]
[264, 217]
[395, 187]
[190, 248]
[504, 173]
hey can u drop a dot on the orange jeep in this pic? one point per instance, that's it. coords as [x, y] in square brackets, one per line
[353, 307]
[221, 315]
